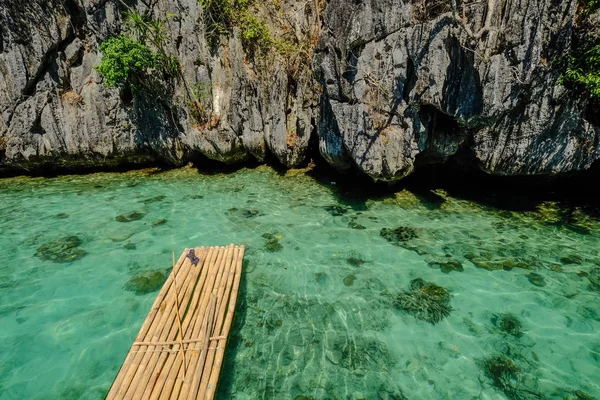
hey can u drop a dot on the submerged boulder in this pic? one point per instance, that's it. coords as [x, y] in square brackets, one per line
[398, 235]
[509, 324]
[130, 216]
[154, 199]
[159, 222]
[146, 282]
[272, 245]
[62, 250]
[425, 301]
[447, 264]
[336, 209]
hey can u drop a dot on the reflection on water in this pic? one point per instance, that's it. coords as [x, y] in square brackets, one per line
[410, 295]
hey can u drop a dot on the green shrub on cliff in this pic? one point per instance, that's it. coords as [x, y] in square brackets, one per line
[584, 69]
[138, 59]
[583, 64]
[222, 15]
[125, 62]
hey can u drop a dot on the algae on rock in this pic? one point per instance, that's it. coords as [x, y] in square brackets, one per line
[146, 282]
[425, 301]
[62, 250]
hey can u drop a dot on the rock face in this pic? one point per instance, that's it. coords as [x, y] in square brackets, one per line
[55, 110]
[415, 86]
[401, 83]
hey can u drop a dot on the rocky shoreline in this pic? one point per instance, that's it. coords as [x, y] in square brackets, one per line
[380, 93]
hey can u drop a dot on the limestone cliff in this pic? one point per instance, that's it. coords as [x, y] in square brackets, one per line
[393, 85]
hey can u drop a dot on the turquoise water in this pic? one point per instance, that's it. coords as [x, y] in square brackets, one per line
[318, 318]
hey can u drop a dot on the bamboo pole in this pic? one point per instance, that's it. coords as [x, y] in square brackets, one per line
[208, 291]
[204, 385]
[151, 366]
[193, 394]
[178, 316]
[156, 391]
[125, 376]
[214, 375]
[211, 292]
[204, 306]
[161, 370]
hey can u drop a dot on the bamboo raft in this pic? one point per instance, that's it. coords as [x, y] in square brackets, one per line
[178, 352]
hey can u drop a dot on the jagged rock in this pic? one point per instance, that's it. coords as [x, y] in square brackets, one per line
[146, 282]
[425, 301]
[399, 234]
[414, 84]
[130, 216]
[447, 265]
[62, 250]
[159, 222]
[402, 87]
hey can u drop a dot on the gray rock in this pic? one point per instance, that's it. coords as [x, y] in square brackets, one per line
[55, 110]
[400, 87]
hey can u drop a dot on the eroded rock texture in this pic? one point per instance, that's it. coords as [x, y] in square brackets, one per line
[55, 109]
[406, 86]
[393, 85]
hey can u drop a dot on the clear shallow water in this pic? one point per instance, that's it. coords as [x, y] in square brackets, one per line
[309, 322]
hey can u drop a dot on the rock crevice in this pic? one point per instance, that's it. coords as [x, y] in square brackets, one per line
[390, 86]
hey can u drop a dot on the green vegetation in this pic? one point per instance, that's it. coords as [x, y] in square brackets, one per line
[223, 15]
[138, 60]
[125, 62]
[62, 250]
[583, 69]
[503, 373]
[509, 324]
[146, 282]
[583, 64]
[425, 301]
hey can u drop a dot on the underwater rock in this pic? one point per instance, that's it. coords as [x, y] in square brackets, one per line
[556, 268]
[336, 210]
[364, 354]
[509, 324]
[154, 199]
[196, 196]
[594, 278]
[536, 279]
[425, 301]
[121, 236]
[399, 234]
[250, 213]
[62, 215]
[581, 395]
[130, 216]
[355, 259]
[571, 259]
[349, 279]
[273, 245]
[450, 351]
[7, 282]
[146, 282]
[355, 225]
[333, 356]
[320, 277]
[485, 262]
[159, 222]
[503, 372]
[129, 246]
[62, 250]
[446, 265]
